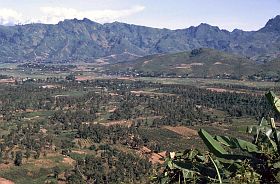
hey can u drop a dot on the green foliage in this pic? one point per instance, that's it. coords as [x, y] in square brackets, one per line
[56, 171]
[70, 77]
[211, 143]
[203, 63]
[18, 159]
[230, 159]
[273, 100]
[112, 167]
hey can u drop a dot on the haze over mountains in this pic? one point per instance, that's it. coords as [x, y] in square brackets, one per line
[85, 40]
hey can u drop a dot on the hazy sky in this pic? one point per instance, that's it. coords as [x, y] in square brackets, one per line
[172, 14]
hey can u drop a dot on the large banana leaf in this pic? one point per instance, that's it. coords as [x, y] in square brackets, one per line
[238, 143]
[213, 145]
[273, 100]
[217, 149]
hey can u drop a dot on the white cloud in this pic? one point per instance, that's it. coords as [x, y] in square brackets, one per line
[53, 15]
[9, 16]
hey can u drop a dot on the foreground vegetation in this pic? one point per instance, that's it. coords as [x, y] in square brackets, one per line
[104, 131]
[230, 160]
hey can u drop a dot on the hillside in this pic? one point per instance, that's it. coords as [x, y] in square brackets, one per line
[197, 63]
[85, 40]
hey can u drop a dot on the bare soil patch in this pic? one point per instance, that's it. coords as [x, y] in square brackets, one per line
[113, 94]
[126, 78]
[146, 62]
[156, 158]
[189, 66]
[68, 160]
[7, 80]
[184, 66]
[45, 163]
[150, 93]
[83, 78]
[5, 166]
[112, 110]
[221, 90]
[79, 152]
[148, 117]
[5, 181]
[153, 157]
[122, 122]
[182, 130]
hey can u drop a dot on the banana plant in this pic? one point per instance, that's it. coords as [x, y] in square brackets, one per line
[256, 161]
[219, 165]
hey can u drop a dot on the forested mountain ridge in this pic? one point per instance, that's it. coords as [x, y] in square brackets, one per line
[76, 40]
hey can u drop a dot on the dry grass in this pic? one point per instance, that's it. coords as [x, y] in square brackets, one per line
[44, 163]
[182, 130]
[79, 152]
[122, 122]
[150, 93]
[221, 90]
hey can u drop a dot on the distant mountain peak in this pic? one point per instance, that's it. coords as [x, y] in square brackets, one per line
[75, 20]
[204, 25]
[273, 25]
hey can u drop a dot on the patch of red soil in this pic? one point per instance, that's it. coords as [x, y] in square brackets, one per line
[68, 160]
[5, 181]
[182, 130]
[5, 166]
[156, 158]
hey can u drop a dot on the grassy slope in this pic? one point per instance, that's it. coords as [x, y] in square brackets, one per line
[35, 171]
[208, 63]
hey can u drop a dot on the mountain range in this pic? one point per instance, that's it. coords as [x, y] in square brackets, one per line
[85, 40]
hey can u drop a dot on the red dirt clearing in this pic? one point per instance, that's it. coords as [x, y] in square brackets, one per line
[5, 181]
[69, 161]
[5, 166]
[182, 130]
[155, 158]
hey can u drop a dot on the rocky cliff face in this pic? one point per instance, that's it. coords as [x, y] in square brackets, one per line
[75, 40]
